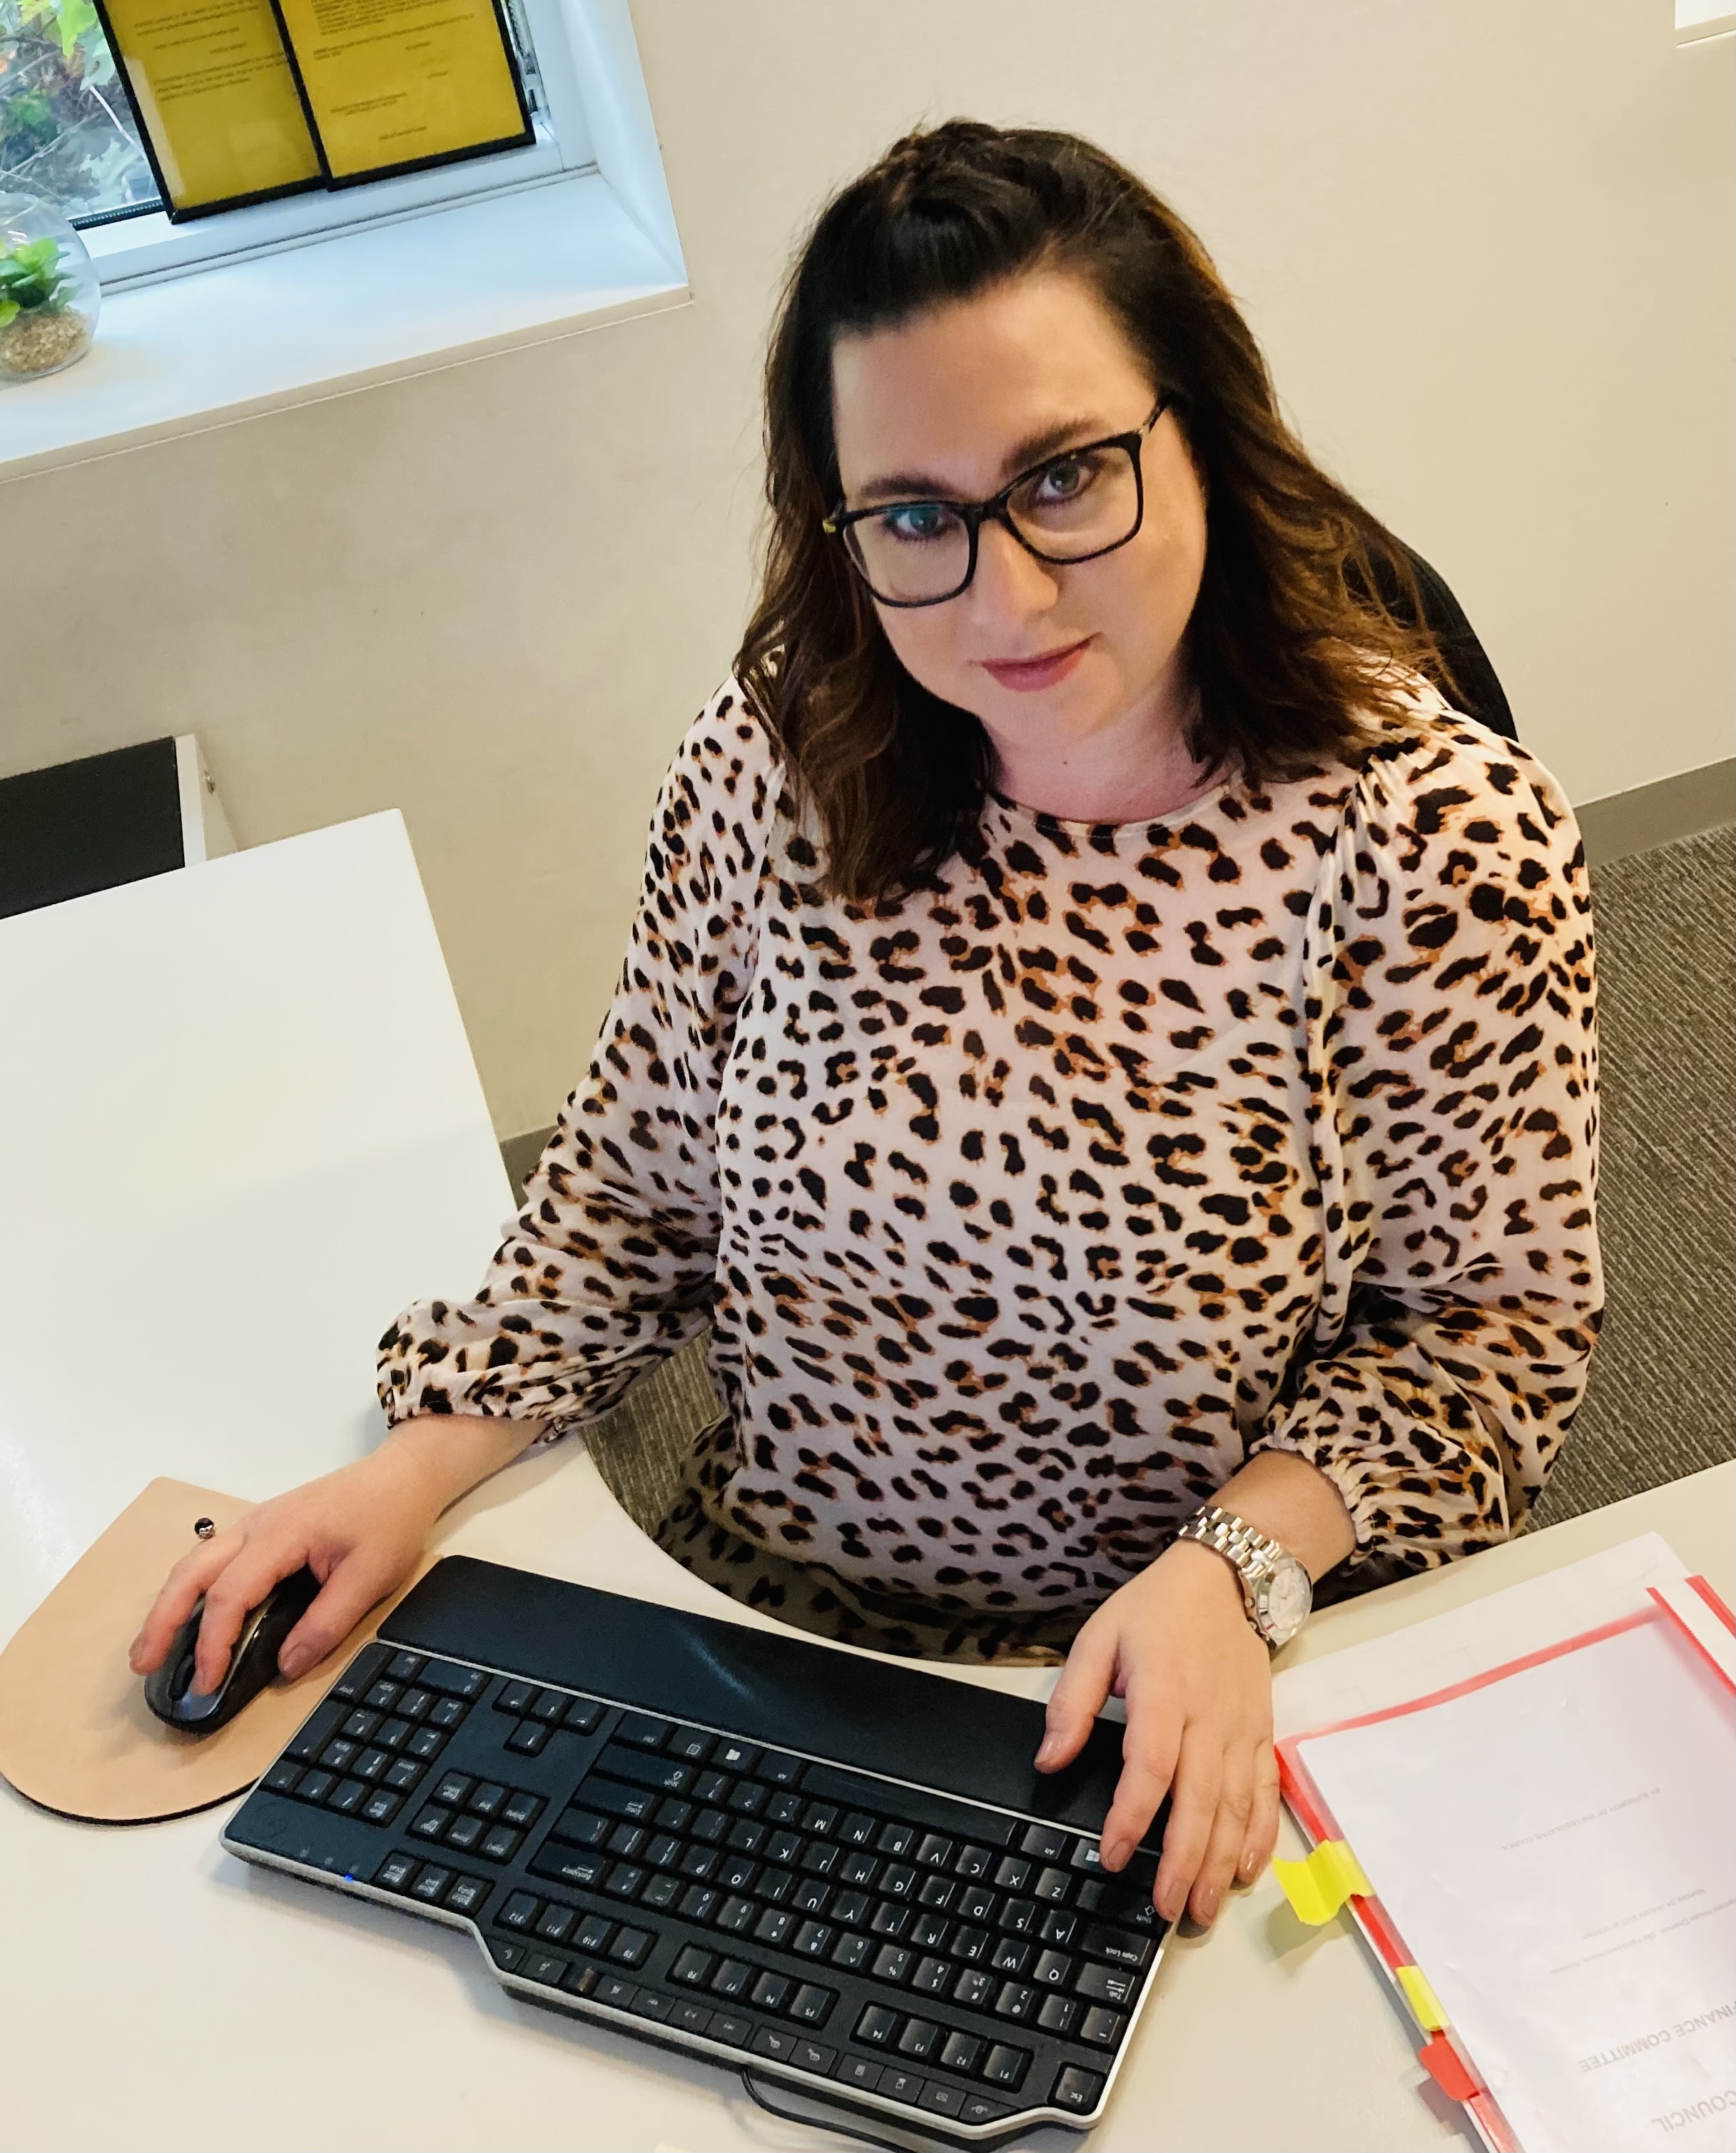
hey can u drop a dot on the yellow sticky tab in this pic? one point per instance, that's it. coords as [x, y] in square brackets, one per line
[1422, 1999]
[1319, 1887]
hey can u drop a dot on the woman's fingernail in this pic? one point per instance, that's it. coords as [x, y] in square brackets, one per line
[1207, 1912]
[1047, 1750]
[293, 1661]
[1251, 1868]
[1114, 1852]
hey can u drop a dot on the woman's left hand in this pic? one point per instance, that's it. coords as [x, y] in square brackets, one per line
[1176, 1643]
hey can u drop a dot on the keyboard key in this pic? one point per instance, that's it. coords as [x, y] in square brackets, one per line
[625, 1840]
[933, 1852]
[446, 1711]
[521, 1810]
[858, 1868]
[1058, 2014]
[895, 1838]
[1005, 2066]
[431, 1883]
[892, 1963]
[777, 2042]
[732, 1978]
[665, 1775]
[1087, 1855]
[643, 1731]
[701, 1863]
[735, 1756]
[962, 2052]
[404, 1774]
[393, 1734]
[1012, 1875]
[852, 1953]
[625, 1881]
[711, 1787]
[977, 1902]
[778, 1770]
[1009, 1956]
[636, 1803]
[580, 1828]
[1017, 1999]
[403, 1667]
[336, 1756]
[729, 2031]
[821, 1818]
[509, 1957]
[382, 1696]
[812, 1895]
[775, 1926]
[737, 1916]
[358, 1676]
[451, 1680]
[1099, 1984]
[661, 1893]
[746, 1834]
[747, 1798]
[1059, 1927]
[813, 1939]
[1046, 1842]
[631, 1946]
[1053, 1969]
[520, 1911]
[772, 1991]
[902, 2085]
[940, 2099]
[1101, 2027]
[812, 2056]
[546, 1967]
[347, 1797]
[783, 1847]
[693, 1968]
[971, 1946]
[469, 1894]
[851, 1908]
[736, 1872]
[938, 1892]
[709, 1826]
[381, 1805]
[583, 1715]
[919, 2038]
[858, 1829]
[594, 1934]
[280, 1779]
[1116, 1945]
[1019, 1917]
[974, 1988]
[699, 1902]
[415, 1704]
[529, 1738]
[500, 1844]
[692, 1744]
[612, 1990]
[691, 2017]
[929, 1932]
[554, 1924]
[859, 2072]
[1077, 2089]
[360, 1725]
[395, 1872]
[582, 1868]
[463, 1831]
[426, 1743]
[890, 1919]
[663, 1851]
[453, 1788]
[549, 1705]
[516, 1698]
[972, 1862]
[898, 1880]
[932, 1977]
[812, 2005]
[878, 2026]
[673, 1815]
[1053, 1886]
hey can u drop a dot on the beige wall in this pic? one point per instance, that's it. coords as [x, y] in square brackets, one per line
[1488, 244]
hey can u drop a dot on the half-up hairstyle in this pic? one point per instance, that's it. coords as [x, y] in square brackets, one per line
[1303, 631]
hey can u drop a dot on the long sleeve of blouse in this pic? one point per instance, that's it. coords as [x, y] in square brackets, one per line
[1026, 1208]
[609, 1265]
[1451, 1016]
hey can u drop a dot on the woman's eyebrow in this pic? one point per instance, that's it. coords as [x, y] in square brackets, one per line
[923, 485]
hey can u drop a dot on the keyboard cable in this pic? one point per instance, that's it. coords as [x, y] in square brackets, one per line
[827, 2121]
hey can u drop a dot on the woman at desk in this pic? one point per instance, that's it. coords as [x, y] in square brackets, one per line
[1106, 1044]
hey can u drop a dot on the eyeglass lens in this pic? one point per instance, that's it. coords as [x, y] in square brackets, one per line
[918, 552]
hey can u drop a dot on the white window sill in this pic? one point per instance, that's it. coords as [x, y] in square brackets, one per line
[274, 330]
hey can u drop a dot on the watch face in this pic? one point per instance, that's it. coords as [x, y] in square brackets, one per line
[1285, 1601]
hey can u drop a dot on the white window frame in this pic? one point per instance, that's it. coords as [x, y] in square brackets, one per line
[145, 249]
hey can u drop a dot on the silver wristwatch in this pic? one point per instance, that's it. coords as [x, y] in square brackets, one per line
[1275, 1588]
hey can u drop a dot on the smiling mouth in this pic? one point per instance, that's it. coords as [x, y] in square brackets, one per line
[1026, 674]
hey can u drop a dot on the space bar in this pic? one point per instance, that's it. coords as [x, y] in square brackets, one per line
[914, 1805]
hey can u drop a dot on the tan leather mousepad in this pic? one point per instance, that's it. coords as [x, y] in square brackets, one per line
[75, 1732]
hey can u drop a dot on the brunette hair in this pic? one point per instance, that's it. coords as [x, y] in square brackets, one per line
[1304, 624]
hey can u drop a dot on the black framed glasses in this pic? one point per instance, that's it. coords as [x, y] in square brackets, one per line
[1074, 506]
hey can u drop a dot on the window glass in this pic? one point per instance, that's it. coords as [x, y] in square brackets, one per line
[66, 130]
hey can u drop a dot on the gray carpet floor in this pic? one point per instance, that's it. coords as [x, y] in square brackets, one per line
[1660, 1403]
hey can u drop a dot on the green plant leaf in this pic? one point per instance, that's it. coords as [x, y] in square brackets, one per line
[8, 307]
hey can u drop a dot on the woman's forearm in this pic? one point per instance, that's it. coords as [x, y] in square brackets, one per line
[453, 1453]
[1295, 1504]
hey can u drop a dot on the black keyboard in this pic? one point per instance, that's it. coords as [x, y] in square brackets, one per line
[839, 1877]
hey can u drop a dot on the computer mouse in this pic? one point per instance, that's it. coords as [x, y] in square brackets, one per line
[252, 1664]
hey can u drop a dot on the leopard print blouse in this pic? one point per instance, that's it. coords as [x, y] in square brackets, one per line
[1026, 1208]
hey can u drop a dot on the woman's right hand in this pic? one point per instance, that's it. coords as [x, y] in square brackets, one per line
[358, 1529]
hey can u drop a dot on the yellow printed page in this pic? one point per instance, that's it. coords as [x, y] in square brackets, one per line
[214, 92]
[398, 82]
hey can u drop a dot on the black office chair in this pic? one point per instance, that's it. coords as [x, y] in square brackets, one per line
[1477, 693]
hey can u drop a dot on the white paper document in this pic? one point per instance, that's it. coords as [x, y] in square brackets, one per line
[1557, 1849]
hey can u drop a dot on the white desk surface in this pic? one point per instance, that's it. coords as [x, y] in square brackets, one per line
[241, 1127]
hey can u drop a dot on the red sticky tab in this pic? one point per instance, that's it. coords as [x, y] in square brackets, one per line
[1448, 2069]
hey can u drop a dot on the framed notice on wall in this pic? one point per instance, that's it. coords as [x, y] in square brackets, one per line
[220, 111]
[241, 100]
[392, 85]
